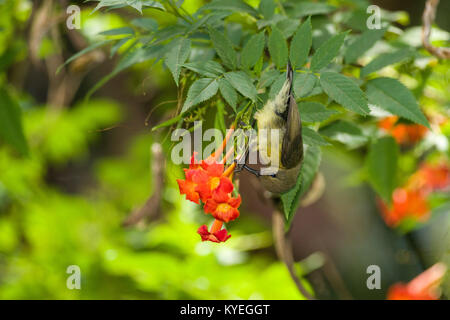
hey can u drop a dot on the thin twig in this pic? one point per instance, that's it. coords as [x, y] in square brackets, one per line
[152, 206]
[428, 18]
[284, 251]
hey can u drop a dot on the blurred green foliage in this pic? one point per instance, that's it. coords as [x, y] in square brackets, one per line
[44, 229]
[46, 226]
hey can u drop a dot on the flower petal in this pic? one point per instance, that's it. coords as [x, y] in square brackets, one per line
[188, 188]
[210, 206]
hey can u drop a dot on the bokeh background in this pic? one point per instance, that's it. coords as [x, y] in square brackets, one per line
[89, 166]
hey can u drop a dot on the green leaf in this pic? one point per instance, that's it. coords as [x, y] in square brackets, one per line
[386, 59]
[361, 44]
[242, 83]
[136, 4]
[346, 133]
[391, 95]
[312, 138]
[288, 26]
[177, 56]
[277, 85]
[382, 166]
[344, 91]
[268, 77]
[219, 119]
[267, 8]
[201, 90]
[224, 48]
[88, 49]
[304, 8]
[304, 83]
[118, 31]
[11, 129]
[310, 166]
[138, 55]
[167, 123]
[169, 32]
[314, 112]
[252, 50]
[147, 24]
[327, 51]
[228, 93]
[210, 68]
[118, 45]
[278, 48]
[231, 5]
[301, 44]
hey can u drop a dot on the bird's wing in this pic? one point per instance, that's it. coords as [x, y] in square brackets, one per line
[292, 146]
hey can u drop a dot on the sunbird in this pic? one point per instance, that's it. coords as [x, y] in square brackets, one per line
[281, 113]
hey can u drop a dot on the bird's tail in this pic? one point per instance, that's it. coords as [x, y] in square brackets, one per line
[290, 76]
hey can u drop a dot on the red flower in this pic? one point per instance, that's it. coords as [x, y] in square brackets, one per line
[219, 235]
[205, 180]
[410, 201]
[423, 287]
[431, 177]
[223, 210]
[405, 204]
[209, 182]
[194, 177]
[403, 133]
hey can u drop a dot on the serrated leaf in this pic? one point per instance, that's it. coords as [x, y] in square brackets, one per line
[344, 91]
[228, 93]
[242, 83]
[310, 166]
[210, 69]
[277, 85]
[312, 138]
[345, 132]
[391, 95]
[278, 48]
[301, 44]
[314, 112]
[177, 56]
[304, 83]
[252, 50]
[267, 8]
[11, 130]
[201, 90]
[386, 59]
[382, 166]
[224, 48]
[327, 52]
[268, 77]
[288, 26]
[362, 43]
